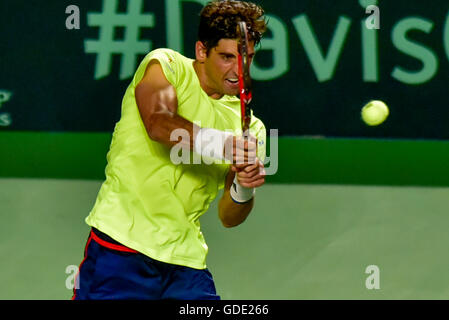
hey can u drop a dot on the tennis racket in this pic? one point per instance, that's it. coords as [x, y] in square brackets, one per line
[244, 77]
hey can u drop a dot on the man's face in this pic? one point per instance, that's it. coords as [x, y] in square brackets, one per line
[221, 67]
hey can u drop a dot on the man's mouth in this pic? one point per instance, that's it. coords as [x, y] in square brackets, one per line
[233, 81]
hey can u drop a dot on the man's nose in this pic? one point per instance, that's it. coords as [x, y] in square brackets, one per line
[235, 68]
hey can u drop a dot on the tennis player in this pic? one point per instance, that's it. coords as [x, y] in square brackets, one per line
[146, 241]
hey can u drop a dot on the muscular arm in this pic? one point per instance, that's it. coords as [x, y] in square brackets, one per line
[232, 214]
[250, 176]
[158, 105]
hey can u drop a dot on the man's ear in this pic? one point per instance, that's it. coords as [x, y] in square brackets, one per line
[200, 51]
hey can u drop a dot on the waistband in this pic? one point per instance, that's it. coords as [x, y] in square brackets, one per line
[106, 241]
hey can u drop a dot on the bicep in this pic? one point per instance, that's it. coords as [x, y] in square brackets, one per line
[154, 94]
[158, 106]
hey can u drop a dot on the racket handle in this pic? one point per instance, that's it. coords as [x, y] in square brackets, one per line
[245, 126]
[245, 132]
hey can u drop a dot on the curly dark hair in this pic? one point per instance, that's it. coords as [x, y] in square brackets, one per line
[219, 19]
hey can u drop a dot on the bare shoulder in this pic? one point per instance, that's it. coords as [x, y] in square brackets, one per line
[154, 75]
[154, 93]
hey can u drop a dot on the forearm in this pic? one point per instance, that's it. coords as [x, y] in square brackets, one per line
[231, 213]
[171, 129]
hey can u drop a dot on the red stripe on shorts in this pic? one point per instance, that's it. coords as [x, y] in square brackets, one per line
[109, 245]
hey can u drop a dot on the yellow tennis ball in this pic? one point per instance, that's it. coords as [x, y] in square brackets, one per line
[375, 112]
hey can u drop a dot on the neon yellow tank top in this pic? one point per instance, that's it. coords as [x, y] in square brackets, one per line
[148, 203]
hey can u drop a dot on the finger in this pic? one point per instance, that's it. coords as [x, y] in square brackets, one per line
[241, 167]
[253, 184]
[253, 138]
[249, 149]
[248, 175]
[262, 171]
[248, 159]
[244, 155]
[252, 167]
[247, 145]
[250, 180]
[250, 145]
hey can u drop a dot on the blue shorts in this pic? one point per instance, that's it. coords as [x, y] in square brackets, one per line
[112, 271]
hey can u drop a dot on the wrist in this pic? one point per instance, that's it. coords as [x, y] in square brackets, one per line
[240, 194]
[211, 143]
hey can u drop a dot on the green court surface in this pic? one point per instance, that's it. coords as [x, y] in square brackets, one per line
[300, 241]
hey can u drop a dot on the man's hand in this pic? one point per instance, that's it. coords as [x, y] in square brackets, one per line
[241, 151]
[250, 175]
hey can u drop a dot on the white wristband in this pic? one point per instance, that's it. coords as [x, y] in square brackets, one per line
[241, 194]
[210, 143]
